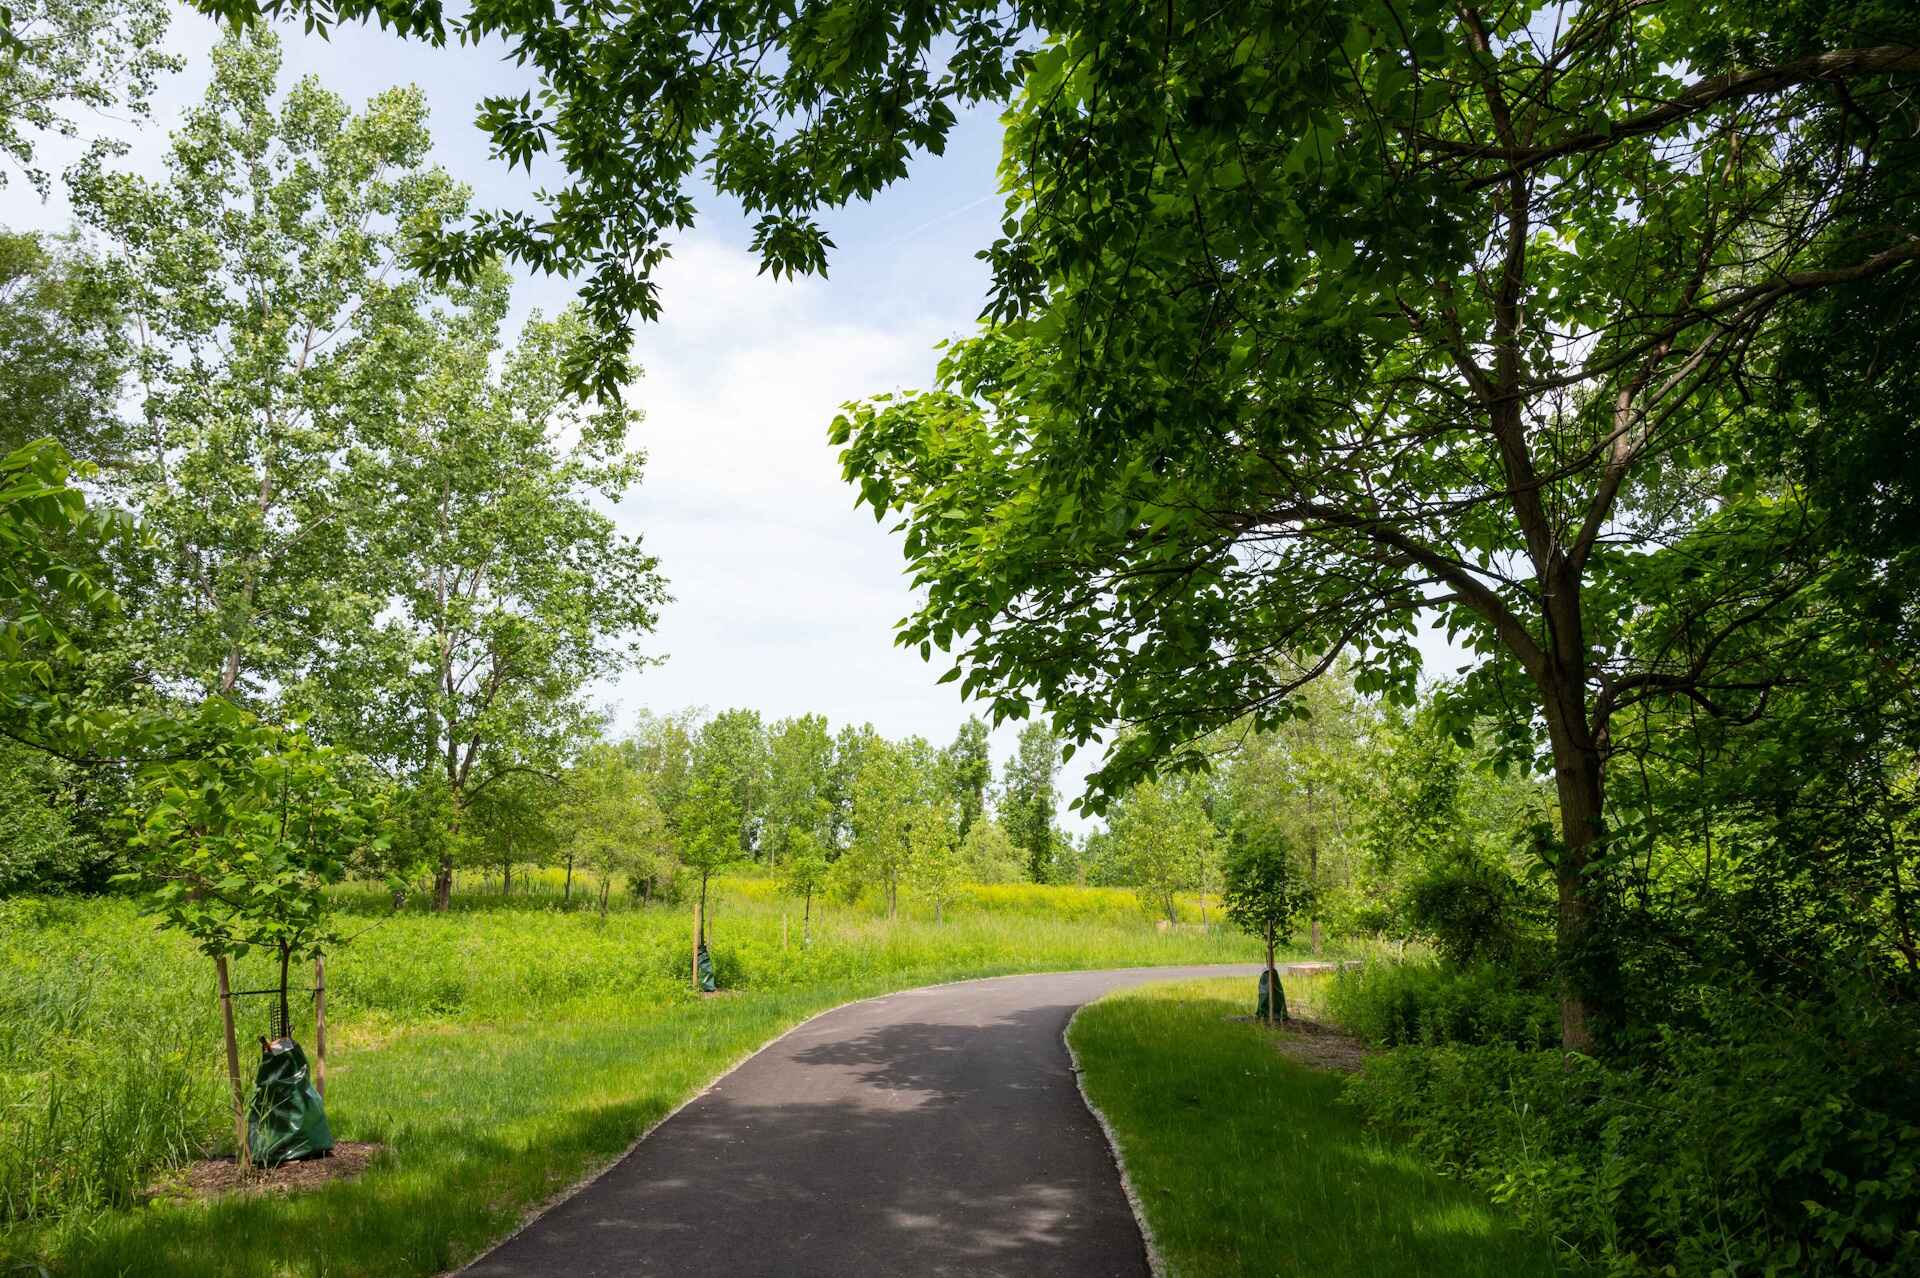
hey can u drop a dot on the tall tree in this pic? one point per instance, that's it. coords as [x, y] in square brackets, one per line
[732, 751]
[611, 820]
[934, 866]
[1027, 798]
[799, 766]
[1296, 784]
[510, 587]
[884, 798]
[514, 824]
[706, 830]
[269, 332]
[967, 768]
[850, 746]
[1363, 314]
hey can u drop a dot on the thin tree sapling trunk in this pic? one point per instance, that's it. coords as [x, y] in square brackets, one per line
[233, 1063]
[285, 1024]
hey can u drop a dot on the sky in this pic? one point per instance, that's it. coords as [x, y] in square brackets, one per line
[785, 596]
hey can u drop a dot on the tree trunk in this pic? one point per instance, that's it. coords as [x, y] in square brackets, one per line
[606, 884]
[1589, 974]
[285, 1024]
[806, 921]
[506, 878]
[567, 894]
[1274, 993]
[443, 883]
[701, 937]
[233, 1064]
[1313, 884]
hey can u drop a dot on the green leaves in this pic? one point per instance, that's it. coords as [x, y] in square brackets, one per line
[237, 834]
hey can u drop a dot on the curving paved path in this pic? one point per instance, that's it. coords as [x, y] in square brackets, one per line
[934, 1131]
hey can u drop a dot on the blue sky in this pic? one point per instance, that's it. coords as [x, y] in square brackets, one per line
[785, 596]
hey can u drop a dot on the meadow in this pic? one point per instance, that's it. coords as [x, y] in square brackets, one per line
[499, 1052]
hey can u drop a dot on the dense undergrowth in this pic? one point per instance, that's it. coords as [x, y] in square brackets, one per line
[1748, 1134]
[110, 1059]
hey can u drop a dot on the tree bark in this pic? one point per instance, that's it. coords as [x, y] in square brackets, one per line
[233, 1064]
[1273, 984]
[285, 1025]
[1588, 964]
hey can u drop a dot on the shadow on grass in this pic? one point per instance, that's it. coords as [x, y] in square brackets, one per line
[1248, 1164]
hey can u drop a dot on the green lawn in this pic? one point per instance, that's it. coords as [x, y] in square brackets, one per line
[500, 1052]
[1248, 1164]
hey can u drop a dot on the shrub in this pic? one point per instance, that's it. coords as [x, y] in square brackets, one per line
[1776, 1140]
[1474, 913]
[1429, 1003]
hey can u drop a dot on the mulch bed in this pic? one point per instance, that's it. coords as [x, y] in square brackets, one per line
[212, 1177]
[1317, 1044]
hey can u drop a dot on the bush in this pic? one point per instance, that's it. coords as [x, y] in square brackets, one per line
[1429, 1003]
[1475, 913]
[1777, 1140]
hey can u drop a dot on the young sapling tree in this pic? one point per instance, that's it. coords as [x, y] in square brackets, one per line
[239, 831]
[1263, 896]
[803, 874]
[933, 857]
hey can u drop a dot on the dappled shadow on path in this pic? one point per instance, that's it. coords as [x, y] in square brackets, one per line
[919, 1147]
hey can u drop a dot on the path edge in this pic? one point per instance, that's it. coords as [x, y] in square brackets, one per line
[1156, 1263]
[548, 1204]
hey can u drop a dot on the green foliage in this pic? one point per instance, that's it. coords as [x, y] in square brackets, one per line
[1263, 892]
[612, 823]
[236, 842]
[966, 769]
[934, 866]
[252, 415]
[44, 588]
[988, 855]
[1782, 1141]
[799, 762]
[64, 357]
[65, 56]
[883, 803]
[1392, 1004]
[1163, 835]
[1027, 799]
[40, 850]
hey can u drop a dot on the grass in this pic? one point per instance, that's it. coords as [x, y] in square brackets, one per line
[1249, 1164]
[501, 1052]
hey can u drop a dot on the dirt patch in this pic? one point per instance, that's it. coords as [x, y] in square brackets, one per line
[212, 1177]
[1316, 1044]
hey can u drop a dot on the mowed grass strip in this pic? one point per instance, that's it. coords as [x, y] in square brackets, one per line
[1248, 1164]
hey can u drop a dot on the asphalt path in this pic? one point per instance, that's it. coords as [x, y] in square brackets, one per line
[935, 1131]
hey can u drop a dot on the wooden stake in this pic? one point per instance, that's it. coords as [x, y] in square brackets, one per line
[320, 1024]
[233, 1063]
